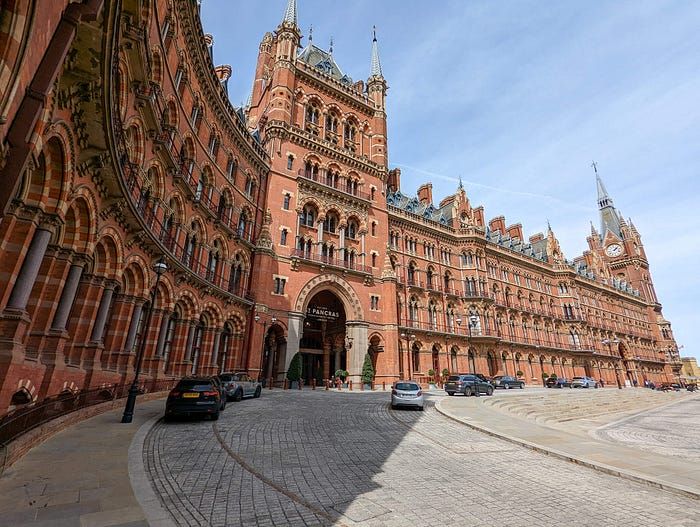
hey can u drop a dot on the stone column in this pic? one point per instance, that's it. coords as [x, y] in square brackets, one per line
[296, 328]
[67, 296]
[356, 331]
[133, 327]
[319, 237]
[362, 246]
[215, 351]
[162, 333]
[327, 359]
[102, 312]
[336, 360]
[341, 241]
[30, 268]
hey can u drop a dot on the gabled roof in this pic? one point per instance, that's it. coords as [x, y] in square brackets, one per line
[323, 61]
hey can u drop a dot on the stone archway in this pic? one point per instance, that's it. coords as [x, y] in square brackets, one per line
[343, 348]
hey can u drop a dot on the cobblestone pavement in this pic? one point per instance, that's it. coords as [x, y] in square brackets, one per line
[319, 458]
[671, 430]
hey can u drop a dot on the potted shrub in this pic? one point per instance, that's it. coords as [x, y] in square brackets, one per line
[294, 371]
[445, 375]
[431, 378]
[518, 374]
[367, 372]
[545, 376]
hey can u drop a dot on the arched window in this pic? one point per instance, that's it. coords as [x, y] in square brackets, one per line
[249, 186]
[413, 311]
[312, 117]
[140, 328]
[429, 275]
[236, 278]
[169, 337]
[332, 127]
[286, 200]
[352, 229]
[330, 223]
[350, 131]
[308, 215]
[21, 397]
[242, 224]
[190, 245]
[416, 357]
[432, 315]
[231, 167]
[411, 273]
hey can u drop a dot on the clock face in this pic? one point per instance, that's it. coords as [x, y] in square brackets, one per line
[613, 249]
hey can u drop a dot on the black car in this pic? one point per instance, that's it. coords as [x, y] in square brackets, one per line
[559, 382]
[468, 384]
[196, 395]
[506, 382]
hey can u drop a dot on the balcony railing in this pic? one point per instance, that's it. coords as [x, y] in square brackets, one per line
[321, 180]
[448, 329]
[327, 260]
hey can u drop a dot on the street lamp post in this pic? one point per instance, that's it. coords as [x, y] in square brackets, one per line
[159, 268]
[262, 355]
[472, 322]
[458, 320]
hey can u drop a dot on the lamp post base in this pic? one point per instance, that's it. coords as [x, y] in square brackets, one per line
[128, 415]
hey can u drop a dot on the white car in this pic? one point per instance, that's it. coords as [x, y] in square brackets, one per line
[407, 393]
[584, 382]
[239, 385]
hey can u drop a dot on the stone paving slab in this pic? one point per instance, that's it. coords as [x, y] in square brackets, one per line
[77, 478]
[669, 473]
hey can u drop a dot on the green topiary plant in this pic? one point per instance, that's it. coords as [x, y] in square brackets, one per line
[367, 370]
[431, 374]
[545, 376]
[294, 371]
[341, 374]
[553, 376]
[518, 373]
[445, 372]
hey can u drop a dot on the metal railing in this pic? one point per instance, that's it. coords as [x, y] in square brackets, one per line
[30, 416]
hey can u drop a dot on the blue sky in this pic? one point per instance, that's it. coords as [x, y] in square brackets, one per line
[518, 98]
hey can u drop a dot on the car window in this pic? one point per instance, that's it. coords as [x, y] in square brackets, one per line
[578, 378]
[243, 377]
[453, 378]
[225, 377]
[195, 385]
[409, 386]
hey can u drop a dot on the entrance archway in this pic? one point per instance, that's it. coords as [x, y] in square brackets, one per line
[322, 344]
[273, 354]
[493, 364]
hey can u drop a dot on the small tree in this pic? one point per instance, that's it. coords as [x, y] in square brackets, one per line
[518, 373]
[545, 376]
[341, 374]
[367, 370]
[431, 374]
[294, 371]
[553, 376]
[445, 373]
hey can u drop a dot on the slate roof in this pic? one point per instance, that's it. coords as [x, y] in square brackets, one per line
[323, 61]
[426, 210]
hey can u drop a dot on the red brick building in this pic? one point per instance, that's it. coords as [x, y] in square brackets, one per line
[282, 225]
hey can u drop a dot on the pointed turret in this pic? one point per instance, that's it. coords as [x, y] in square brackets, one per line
[290, 14]
[375, 66]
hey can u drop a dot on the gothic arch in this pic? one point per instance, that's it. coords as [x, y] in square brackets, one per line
[335, 284]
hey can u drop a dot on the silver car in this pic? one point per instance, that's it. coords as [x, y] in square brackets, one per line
[239, 385]
[584, 382]
[407, 393]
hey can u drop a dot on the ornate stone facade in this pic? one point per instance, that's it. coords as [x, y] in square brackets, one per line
[283, 227]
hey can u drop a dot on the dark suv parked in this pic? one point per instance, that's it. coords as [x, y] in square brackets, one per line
[559, 382]
[506, 381]
[196, 395]
[468, 384]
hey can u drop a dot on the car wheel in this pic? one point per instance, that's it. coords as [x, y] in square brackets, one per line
[450, 393]
[489, 391]
[421, 408]
[393, 407]
[167, 418]
[215, 417]
[238, 395]
[522, 385]
[467, 392]
[506, 386]
[258, 391]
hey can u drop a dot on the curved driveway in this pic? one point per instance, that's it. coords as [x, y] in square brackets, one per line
[324, 458]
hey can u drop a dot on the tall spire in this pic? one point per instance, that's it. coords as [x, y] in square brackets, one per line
[376, 67]
[290, 14]
[609, 217]
[603, 199]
